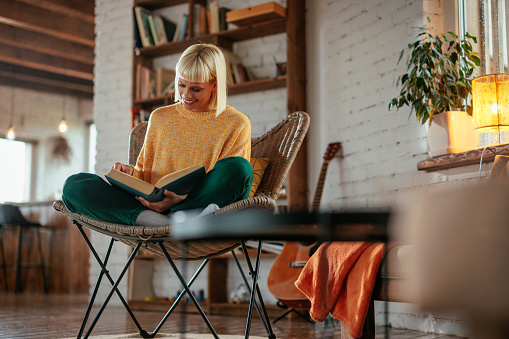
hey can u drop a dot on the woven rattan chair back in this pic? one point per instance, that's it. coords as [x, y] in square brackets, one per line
[280, 144]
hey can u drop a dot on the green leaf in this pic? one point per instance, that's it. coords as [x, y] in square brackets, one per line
[401, 55]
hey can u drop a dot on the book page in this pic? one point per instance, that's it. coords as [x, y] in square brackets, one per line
[131, 181]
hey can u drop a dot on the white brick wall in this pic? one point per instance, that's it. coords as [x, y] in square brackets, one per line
[353, 49]
[112, 107]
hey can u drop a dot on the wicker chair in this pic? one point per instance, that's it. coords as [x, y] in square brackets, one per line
[280, 144]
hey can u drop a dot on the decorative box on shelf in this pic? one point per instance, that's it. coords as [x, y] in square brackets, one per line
[252, 15]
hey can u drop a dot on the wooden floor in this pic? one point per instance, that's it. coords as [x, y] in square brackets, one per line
[59, 316]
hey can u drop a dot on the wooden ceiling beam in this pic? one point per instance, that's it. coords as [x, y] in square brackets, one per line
[46, 63]
[63, 85]
[15, 70]
[79, 9]
[43, 21]
[16, 37]
[36, 86]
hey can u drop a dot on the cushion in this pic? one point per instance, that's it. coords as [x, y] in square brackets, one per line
[259, 166]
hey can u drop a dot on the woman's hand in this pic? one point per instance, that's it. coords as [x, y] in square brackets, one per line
[127, 169]
[170, 199]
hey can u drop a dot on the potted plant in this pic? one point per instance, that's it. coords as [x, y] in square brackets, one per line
[437, 86]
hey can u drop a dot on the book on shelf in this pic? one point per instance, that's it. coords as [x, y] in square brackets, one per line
[217, 17]
[142, 21]
[180, 31]
[166, 28]
[214, 17]
[180, 182]
[223, 24]
[137, 43]
[152, 29]
[150, 83]
[203, 26]
[165, 81]
[145, 82]
[138, 115]
[237, 73]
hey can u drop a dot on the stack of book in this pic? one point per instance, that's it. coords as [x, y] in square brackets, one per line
[154, 83]
[237, 72]
[151, 29]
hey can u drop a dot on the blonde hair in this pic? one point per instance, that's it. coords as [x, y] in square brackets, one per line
[204, 63]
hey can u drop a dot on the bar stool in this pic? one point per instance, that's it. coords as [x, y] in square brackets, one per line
[10, 216]
[4, 265]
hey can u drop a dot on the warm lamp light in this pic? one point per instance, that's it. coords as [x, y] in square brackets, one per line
[62, 127]
[11, 133]
[490, 98]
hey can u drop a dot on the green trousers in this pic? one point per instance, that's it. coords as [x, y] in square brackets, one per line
[88, 194]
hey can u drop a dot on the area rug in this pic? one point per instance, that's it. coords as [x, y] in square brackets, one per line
[174, 336]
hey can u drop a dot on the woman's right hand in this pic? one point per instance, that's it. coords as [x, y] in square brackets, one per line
[127, 169]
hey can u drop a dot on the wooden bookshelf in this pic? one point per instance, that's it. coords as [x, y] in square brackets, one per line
[223, 39]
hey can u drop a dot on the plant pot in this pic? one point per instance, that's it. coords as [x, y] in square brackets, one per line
[451, 132]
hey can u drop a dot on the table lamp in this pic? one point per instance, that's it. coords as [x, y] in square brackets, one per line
[490, 98]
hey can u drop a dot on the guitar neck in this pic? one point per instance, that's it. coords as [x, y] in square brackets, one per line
[319, 187]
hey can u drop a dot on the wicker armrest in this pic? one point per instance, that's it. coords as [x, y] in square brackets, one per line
[259, 202]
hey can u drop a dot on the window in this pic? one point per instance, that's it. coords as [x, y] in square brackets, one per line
[488, 20]
[15, 172]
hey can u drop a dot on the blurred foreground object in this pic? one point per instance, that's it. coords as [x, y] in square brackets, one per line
[461, 257]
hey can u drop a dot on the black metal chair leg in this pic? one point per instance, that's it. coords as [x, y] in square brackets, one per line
[114, 289]
[105, 272]
[256, 289]
[189, 293]
[253, 289]
[163, 320]
[262, 317]
[4, 265]
[96, 289]
[17, 288]
[43, 267]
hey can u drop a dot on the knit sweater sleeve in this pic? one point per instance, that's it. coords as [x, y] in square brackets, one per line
[239, 145]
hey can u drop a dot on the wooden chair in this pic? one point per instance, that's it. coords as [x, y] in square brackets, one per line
[280, 144]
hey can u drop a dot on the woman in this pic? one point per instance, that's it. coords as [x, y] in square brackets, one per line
[199, 129]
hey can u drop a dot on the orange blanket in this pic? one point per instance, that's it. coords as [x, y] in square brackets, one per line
[339, 279]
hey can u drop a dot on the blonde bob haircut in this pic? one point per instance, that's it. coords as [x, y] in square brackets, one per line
[204, 63]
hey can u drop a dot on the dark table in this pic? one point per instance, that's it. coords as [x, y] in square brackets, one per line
[244, 225]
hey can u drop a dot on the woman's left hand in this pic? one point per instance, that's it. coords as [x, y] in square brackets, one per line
[170, 199]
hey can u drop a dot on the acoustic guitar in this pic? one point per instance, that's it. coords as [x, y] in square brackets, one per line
[289, 263]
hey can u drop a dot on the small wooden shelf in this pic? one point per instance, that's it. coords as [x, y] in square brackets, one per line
[245, 87]
[472, 157]
[155, 4]
[224, 39]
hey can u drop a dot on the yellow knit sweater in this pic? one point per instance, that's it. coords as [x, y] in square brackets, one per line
[177, 138]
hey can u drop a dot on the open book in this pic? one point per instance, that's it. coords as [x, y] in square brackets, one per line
[181, 182]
